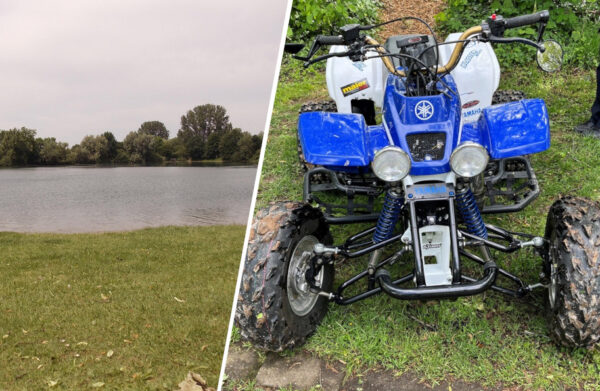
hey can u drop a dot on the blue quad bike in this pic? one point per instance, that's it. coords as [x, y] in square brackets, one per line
[439, 157]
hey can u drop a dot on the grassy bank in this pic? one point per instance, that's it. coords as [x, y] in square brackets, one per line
[130, 310]
[489, 339]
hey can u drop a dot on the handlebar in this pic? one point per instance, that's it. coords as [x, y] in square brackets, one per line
[330, 40]
[454, 57]
[526, 20]
[493, 28]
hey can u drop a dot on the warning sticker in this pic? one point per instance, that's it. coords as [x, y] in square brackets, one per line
[355, 87]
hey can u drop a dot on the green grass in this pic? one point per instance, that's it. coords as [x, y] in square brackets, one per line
[129, 310]
[489, 339]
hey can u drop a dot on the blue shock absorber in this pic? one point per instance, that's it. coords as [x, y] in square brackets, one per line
[390, 213]
[465, 200]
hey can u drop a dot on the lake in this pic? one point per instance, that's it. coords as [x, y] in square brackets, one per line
[94, 199]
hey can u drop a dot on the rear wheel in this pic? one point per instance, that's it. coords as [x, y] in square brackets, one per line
[505, 96]
[572, 265]
[276, 308]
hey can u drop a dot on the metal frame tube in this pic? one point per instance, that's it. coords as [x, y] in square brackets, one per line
[361, 296]
[438, 292]
[416, 244]
[454, 243]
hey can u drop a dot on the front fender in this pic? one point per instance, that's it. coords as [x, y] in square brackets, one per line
[515, 128]
[337, 139]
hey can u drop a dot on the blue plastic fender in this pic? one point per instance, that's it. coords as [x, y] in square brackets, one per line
[337, 139]
[515, 129]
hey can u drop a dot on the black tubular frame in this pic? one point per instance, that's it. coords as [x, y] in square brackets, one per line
[523, 194]
[352, 216]
[360, 244]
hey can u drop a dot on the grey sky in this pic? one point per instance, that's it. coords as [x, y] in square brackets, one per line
[70, 68]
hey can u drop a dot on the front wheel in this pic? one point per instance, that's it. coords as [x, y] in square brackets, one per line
[572, 265]
[276, 308]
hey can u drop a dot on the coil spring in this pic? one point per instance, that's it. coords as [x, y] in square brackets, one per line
[390, 213]
[465, 200]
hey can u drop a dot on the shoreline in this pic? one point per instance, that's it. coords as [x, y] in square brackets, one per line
[198, 163]
[224, 225]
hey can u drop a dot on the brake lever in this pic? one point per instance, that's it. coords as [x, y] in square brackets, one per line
[541, 30]
[313, 49]
[495, 39]
[325, 57]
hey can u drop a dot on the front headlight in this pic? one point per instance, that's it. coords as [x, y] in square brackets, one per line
[469, 159]
[391, 164]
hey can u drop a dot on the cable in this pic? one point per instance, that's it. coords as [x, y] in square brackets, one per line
[403, 18]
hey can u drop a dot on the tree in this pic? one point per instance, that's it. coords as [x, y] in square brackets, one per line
[112, 146]
[204, 120]
[142, 148]
[79, 155]
[18, 147]
[257, 141]
[211, 149]
[245, 148]
[194, 147]
[52, 152]
[229, 142]
[154, 128]
[173, 149]
[97, 148]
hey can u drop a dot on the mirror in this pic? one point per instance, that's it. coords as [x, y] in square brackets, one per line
[293, 48]
[551, 59]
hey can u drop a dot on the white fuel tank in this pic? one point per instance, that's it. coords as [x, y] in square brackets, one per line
[477, 76]
[348, 80]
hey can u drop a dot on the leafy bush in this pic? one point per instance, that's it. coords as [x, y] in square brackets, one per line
[573, 23]
[312, 17]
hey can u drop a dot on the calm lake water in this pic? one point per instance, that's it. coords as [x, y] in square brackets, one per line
[93, 199]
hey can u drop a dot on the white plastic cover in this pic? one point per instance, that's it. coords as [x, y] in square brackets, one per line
[348, 80]
[477, 76]
[435, 249]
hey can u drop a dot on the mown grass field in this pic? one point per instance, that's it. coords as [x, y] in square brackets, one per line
[115, 311]
[489, 339]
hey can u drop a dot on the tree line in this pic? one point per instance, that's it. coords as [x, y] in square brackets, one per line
[205, 134]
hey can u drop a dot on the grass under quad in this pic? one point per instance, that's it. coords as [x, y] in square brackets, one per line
[489, 339]
[127, 310]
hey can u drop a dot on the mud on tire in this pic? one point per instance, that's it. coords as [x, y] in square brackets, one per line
[505, 96]
[573, 265]
[264, 314]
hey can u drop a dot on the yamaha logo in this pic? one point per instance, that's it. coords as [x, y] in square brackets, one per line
[424, 110]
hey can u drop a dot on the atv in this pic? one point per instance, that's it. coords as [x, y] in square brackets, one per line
[413, 145]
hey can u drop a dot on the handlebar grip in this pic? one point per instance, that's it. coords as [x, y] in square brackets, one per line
[331, 40]
[526, 20]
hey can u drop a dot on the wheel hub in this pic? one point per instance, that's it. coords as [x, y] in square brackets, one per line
[301, 298]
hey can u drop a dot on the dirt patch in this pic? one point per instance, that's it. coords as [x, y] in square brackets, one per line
[194, 382]
[305, 371]
[424, 9]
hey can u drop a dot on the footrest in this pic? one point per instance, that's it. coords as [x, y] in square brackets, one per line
[354, 210]
[510, 185]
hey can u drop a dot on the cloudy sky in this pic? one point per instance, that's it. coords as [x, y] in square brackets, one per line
[70, 68]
